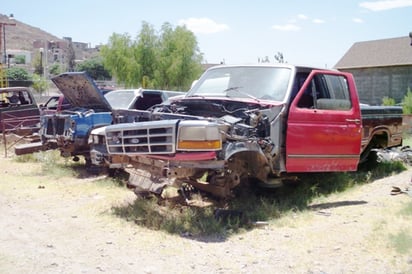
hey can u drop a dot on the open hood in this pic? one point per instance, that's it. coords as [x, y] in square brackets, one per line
[81, 91]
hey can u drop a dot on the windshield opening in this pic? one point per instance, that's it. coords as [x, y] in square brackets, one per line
[267, 83]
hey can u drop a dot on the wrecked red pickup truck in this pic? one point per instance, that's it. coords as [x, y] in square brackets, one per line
[260, 123]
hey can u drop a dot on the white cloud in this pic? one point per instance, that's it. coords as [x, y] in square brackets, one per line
[357, 20]
[287, 27]
[302, 17]
[318, 21]
[203, 25]
[385, 4]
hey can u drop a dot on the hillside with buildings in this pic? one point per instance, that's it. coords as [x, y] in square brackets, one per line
[24, 42]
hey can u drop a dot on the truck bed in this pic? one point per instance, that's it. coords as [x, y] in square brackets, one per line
[382, 126]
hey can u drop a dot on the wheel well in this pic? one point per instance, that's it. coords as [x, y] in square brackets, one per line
[250, 163]
[378, 140]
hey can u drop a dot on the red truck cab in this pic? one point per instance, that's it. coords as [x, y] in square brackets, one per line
[324, 135]
[55, 104]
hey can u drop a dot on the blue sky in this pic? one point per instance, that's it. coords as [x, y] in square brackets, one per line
[317, 32]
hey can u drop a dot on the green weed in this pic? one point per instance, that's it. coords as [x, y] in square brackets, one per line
[251, 204]
[171, 217]
[52, 164]
[221, 218]
[402, 241]
[407, 210]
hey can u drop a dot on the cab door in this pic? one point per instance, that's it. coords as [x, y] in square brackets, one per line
[324, 125]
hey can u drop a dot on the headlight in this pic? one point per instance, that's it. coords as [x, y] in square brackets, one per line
[198, 136]
[97, 136]
[90, 139]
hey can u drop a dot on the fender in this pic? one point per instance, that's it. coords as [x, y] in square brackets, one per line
[248, 159]
[234, 148]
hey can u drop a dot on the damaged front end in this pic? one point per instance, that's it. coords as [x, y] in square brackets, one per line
[211, 154]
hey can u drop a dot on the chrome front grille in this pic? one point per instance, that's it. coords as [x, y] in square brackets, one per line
[155, 137]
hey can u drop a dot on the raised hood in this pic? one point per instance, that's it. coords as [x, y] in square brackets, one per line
[81, 91]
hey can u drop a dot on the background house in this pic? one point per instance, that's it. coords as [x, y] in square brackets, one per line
[380, 67]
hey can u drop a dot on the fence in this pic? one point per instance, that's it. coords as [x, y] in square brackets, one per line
[22, 127]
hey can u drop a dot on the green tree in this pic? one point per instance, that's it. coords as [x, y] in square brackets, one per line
[170, 60]
[94, 68]
[118, 59]
[38, 63]
[39, 84]
[388, 101]
[179, 60]
[145, 52]
[20, 59]
[407, 102]
[17, 74]
[55, 69]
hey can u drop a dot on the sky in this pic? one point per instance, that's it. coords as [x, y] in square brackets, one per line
[316, 32]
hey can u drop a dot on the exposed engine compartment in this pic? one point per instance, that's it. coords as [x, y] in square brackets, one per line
[246, 119]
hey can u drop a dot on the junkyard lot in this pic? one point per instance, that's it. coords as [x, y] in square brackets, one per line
[51, 225]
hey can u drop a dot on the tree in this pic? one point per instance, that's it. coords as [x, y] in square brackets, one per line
[388, 101]
[407, 102]
[38, 63]
[39, 84]
[179, 58]
[20, 59]
[264, 60]
[118, 59]
[169, 61]
[94, 68]
[145, 51]
[17, 76]
[55, 69]
[279, 57]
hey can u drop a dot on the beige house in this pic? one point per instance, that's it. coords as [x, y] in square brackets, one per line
[380, 67]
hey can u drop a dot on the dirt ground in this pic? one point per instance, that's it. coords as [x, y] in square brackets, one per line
[66, 226]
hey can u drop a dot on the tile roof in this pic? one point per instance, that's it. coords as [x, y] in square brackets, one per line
[378, 53]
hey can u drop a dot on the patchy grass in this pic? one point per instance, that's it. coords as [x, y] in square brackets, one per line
[52, 163]
[401, 241]
[251, 205]
[219, 218]
[406, 211]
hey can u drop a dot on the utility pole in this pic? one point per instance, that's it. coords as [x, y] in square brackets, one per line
[3, 61]
[3, 37]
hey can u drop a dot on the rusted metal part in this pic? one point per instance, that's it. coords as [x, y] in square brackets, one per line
[220, 191]
[28, 148]
[145, 182]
